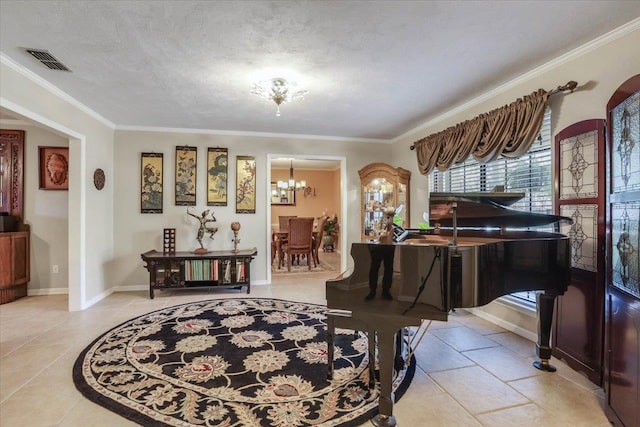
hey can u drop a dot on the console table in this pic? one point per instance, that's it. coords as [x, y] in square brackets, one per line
[220, 269]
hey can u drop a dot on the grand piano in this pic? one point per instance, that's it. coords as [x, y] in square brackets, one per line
[479, 250]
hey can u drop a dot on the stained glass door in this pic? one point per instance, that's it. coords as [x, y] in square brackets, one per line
[580, 166]
[622, 307]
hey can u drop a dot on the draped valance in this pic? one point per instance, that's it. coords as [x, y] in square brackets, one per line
[508, 131]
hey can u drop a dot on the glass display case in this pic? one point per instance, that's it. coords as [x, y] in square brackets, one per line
[383, 187]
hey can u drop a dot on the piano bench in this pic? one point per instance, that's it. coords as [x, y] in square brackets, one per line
[343, 320]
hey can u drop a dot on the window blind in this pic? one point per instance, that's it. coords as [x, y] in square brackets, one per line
[529, 174]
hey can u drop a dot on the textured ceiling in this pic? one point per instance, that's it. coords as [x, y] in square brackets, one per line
[373, 69]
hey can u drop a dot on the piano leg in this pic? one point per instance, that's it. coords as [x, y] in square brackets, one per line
[386, 355]
[346, 322]
[544, 305]
[331, 328]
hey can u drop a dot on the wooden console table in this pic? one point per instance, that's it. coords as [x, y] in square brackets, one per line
[220, 269]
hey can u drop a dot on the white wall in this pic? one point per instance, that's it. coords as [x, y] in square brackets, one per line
[135, 233]
[599, 68]
[91, 146]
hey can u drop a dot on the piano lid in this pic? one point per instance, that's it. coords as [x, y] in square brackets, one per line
[485, 209]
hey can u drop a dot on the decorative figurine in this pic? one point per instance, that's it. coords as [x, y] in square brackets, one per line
[203, 228]
[235, 226]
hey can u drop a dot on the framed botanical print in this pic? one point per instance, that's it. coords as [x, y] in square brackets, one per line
[245, 184]
[186, 161]
[54, 168]
[217, 168]
[151, 183]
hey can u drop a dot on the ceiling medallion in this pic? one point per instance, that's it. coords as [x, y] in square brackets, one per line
[278, 90]
[98, 179]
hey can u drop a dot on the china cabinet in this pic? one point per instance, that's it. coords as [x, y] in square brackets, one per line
[383, 187]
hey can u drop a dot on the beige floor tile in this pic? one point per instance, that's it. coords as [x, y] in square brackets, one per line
[481, 326]
[516, 343]
[87, 413]
[477, 390]
[503, 363]
[434, 355]
[567, 401]
[464, 338]
[439, 410]
[21, 367]
[40, 340]
[529, 415]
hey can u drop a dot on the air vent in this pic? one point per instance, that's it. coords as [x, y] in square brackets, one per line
[47, 59]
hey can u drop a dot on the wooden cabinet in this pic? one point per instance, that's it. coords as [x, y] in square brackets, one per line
[14, 265]
[221, 269]
[383, 186]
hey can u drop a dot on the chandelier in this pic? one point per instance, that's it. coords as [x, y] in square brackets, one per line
[278, 90]
[292, 184]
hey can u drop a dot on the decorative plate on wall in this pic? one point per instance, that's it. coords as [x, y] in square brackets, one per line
[98, 179]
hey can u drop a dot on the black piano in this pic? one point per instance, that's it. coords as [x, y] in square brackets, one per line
[479, 250]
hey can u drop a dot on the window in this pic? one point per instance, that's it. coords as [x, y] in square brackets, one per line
[529, 174]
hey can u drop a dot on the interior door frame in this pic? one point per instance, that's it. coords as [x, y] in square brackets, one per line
[343, 203]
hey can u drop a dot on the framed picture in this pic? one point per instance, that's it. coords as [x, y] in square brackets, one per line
[245, 184]
[151, 183]
[186, 161]
[217, 168]
[54, 168]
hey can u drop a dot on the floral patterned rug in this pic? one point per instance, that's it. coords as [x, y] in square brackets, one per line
[231, 362]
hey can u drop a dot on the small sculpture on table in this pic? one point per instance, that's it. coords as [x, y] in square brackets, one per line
[204, 229]
[235, 227]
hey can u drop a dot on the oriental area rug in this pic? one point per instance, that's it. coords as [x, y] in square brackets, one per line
[232, 362]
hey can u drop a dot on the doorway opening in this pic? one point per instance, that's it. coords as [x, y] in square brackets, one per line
[317, 187]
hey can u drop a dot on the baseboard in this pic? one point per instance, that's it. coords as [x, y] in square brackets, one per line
[509, 326]
[97, 298]
[47, 291]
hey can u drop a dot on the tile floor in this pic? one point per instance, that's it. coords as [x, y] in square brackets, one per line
[471, 372]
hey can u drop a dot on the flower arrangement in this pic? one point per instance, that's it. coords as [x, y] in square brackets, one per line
[331, 227]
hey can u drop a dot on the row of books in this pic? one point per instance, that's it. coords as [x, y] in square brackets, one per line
[213, 269]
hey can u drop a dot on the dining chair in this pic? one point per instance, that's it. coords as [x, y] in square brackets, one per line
[300, 240]
[317, 238]
[283, 226]
[274, 247]
[284, 222]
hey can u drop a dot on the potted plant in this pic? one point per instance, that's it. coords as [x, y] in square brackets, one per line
[331, 228]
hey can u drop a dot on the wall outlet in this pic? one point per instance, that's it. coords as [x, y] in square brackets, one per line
[54, 269]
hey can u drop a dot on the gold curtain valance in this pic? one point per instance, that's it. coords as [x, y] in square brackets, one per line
[508, 131]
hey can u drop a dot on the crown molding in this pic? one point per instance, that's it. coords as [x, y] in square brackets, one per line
[597, 43]
[4, 59]
[255, 134]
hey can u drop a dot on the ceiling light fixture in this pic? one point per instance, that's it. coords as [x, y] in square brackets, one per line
[292, 184]
[278, 90]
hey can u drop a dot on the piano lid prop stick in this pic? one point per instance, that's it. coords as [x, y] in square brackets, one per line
[424, 281]
[418, 335]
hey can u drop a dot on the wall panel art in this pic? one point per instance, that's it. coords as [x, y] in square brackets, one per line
[217, 172]
[151, 183]
[186, 162]
[245, 184]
